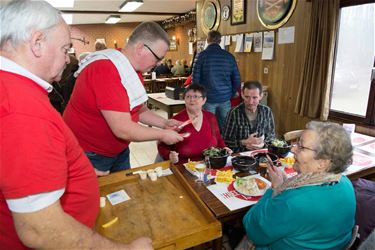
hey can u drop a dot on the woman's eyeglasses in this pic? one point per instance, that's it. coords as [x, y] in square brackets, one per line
[152, 52]
[193, 97]
[299, 146]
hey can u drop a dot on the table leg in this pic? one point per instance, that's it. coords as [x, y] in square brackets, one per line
[170, 113]
[217, 244]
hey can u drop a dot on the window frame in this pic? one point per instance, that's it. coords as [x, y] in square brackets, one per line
[369, 119]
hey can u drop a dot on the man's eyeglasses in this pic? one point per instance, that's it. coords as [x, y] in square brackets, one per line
[300, 147]
[155, 55]
[193, 97]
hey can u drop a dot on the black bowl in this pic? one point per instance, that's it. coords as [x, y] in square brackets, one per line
[244, 163]
[279, 151]
[217, 162]
[262, 158]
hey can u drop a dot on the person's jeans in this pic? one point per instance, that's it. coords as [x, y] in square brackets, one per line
[220, 110]
[105, 163]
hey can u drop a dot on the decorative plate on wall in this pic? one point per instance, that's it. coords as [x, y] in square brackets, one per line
[210, 16]
[275, 13]
[225, 12]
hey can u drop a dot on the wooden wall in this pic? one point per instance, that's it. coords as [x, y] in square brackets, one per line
[91, 32]
[284, 71]
[120, 32]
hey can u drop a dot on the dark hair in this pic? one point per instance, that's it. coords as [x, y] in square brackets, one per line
[214, 36]
[253, 85]
[148, 32]
[196, 87]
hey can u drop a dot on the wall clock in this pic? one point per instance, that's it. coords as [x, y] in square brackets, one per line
[225, 12]
[210, 16]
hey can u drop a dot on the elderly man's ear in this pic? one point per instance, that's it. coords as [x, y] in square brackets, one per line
[37, 41]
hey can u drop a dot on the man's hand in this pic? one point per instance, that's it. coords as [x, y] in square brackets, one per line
[172, 124]
[253, 142]
[143, 243]
[173, 157]
[101, 173]
[170, 137]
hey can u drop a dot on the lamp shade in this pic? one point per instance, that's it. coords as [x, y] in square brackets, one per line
[130, 5]
[113, 19]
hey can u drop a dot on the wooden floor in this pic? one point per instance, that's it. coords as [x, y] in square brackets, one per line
[144, 153]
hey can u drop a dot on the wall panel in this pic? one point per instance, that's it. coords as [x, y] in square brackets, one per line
[284, 71]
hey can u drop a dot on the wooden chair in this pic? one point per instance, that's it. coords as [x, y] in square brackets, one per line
[354, 237]
[292, 136]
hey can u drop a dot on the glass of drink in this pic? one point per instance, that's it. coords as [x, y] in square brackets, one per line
[200, 167]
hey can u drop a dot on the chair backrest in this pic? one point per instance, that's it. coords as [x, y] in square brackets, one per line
[292, 136]
[354, 237]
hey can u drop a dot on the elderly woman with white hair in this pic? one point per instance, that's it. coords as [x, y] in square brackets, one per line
[314, 209]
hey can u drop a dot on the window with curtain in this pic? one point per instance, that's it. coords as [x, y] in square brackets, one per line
[353, 87]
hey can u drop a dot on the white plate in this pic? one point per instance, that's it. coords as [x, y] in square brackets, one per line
[261, 191]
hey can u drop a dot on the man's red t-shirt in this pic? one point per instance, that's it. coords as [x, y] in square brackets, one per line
[98, 87]
[39, 154]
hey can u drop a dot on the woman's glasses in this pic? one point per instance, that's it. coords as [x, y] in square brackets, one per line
[193, 97]
[299, 146]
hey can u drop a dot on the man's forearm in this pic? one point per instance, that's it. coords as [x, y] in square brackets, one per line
[51, 227]
[150, 118]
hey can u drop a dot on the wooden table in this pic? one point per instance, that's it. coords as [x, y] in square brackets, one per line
[169, 105]
[166, 210]
[223, 214]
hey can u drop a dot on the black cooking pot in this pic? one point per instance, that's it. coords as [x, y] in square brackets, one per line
[244, 163]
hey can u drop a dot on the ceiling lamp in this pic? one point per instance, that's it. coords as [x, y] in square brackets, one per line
[130, 5]
[61, 3]
[68, 18]
[113, 19]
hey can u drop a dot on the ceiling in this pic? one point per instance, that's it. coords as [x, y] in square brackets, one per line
[96, 11]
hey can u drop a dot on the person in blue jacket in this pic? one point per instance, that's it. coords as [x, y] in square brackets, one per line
[217, 71]
[314, 209]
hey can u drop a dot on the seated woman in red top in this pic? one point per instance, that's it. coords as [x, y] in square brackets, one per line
[203, 131]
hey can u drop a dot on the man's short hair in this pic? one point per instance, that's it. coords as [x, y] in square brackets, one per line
[253, 85]
[20, 18]
[148, 32]
[214, 36]
[100, 46]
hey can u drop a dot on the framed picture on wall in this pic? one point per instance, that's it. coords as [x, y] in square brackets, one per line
[200, 46]
[173, 45]
[273, 13]
[238, 12]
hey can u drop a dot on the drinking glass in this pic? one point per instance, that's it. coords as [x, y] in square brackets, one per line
[200, 167]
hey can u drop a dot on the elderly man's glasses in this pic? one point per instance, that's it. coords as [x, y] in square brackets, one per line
[193, 97]
[299, 146]
[155, 55]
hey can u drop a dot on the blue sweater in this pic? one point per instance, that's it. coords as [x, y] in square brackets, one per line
[309, 217]
[216, 69]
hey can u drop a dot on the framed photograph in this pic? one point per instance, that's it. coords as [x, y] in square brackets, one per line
[273, 13]
[172, 45]
[238, 12]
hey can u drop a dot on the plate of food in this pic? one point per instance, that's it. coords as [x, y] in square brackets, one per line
[251, 185]
[190, 166]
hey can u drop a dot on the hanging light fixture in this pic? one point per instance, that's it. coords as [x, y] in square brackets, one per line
[130, 5]
[113, 19]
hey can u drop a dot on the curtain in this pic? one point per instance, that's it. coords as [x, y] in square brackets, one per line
[314, 90]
